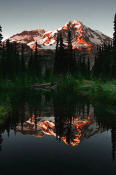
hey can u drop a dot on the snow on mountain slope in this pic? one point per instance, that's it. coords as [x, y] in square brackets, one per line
[82, 37]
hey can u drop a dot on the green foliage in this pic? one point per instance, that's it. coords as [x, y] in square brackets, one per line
[67, 83]
[5, 107]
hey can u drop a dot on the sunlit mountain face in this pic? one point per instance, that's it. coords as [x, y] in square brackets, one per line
[83, 37]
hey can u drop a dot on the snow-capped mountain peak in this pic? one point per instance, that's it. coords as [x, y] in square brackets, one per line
[82, 37]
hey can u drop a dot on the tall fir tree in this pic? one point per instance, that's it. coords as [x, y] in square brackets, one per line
[71, 58]
[22, 59]
[1, 37]
[31, 62]
[97, 68]
[88, 67]
[70, 55]
[114, 50]
[36, 63]
[2, 62]
[59, 64]
[15, 59]
[61, 60]
[114, 35]
[84, 67]
[56, 64]
[1, 51]
[103, 61]
[79, 64]
[8, 58]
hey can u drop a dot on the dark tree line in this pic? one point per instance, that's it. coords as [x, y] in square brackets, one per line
[34, 62]
[103, 65]
[105, 60]
[65, 61]
[14, 61]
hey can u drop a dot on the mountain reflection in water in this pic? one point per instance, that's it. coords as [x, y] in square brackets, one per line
[69, 119]
[76, 128]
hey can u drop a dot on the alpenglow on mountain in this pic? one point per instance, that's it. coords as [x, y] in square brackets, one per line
[82, 37]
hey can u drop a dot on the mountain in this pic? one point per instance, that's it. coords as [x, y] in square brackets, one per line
[81, 129]
[83, 37]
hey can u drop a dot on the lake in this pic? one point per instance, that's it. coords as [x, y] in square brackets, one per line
[42, 133]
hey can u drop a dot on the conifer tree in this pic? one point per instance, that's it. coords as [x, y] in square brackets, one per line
[88, 67]
[56, 54]
[71, 61]
[59, 64]
[70, 54]
[61, 60]
[114, 35]
[1, 37]
[15, 59]
[8, 57]
[31, 62]
[79, 64]
[103, 61]
[36, 62]
[1, 51]
[97, 68]
[84, 70]
[114, 50]
[2, 62]
[22, 59]
[12, 61]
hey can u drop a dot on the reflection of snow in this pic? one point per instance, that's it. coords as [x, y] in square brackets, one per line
[81, 128]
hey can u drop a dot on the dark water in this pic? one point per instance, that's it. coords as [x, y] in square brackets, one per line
[56, 134]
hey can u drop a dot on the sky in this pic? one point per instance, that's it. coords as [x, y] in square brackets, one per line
[19, 15]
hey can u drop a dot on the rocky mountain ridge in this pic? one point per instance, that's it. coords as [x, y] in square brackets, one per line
[83, 37]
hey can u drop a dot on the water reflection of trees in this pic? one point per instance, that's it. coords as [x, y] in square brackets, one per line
[106, 119]
[70, 112]
[66, 112]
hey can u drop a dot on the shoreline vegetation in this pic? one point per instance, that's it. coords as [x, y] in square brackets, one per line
[67, 93]
[96, 89]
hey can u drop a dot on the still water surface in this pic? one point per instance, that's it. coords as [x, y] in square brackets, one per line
[53, 134]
